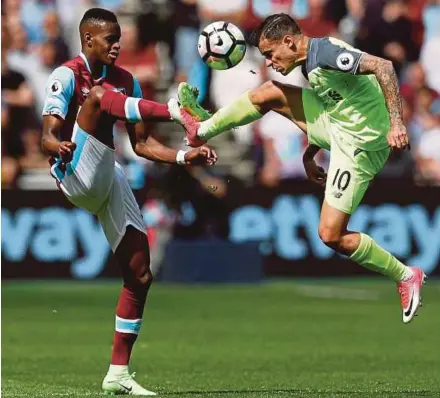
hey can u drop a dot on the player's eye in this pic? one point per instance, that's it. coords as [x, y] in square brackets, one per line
[112, 39]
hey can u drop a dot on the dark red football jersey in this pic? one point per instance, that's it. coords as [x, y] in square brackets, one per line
[70, 84]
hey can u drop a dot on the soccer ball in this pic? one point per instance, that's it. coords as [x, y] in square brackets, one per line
[221, 45]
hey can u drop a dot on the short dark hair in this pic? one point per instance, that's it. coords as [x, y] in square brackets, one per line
[96, 16]
[274, 27]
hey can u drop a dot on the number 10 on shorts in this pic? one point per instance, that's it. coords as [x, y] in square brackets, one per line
[341, 179]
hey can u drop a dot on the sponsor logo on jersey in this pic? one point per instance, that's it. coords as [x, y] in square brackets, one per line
[56, 87]
[335, 96]
[345, 61]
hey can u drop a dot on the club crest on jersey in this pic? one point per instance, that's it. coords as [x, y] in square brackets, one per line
[345, 61]
[56, 87]
[119, 90]
[85, 91]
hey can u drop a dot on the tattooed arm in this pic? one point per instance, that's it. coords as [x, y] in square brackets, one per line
[387, 78]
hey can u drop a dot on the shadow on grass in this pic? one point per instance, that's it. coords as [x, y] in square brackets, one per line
[219, 392]
[312, 393]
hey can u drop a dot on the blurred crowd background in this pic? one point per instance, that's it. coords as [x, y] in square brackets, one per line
[159, 46]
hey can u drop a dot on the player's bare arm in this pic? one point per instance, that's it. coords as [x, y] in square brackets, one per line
[50, 144]
[387, 78]
[314, 172]
[146, 146]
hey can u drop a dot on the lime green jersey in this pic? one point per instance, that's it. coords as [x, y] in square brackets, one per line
[354, 103]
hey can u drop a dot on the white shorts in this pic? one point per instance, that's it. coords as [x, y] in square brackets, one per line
[94, 181]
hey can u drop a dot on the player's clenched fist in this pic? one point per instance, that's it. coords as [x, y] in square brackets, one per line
[314, 172]
[398, 138]
[65, 150]
[201, 155]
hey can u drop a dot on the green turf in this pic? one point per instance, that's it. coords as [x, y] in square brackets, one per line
[280, 339]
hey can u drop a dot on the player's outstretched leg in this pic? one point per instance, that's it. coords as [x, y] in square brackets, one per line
[125, 108]
[133, 256]
[249, 107]
[363, 250]
[199, 129]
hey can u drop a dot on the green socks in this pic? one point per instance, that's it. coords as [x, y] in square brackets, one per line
[238, 113]
[370, 255]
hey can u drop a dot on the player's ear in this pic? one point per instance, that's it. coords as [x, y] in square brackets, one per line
[88, 39]
[288, 41]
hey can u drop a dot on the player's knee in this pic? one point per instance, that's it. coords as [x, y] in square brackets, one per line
[144, 278]
[139, 282]
[330, 236]
[265, 96]
[268, 86]
[96, 94]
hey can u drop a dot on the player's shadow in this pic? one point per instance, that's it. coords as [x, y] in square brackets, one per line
[292, 392]
[232, 392]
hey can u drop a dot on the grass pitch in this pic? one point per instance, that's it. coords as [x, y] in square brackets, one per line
[327, 338]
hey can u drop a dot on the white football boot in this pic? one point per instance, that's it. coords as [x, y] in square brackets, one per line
[124, 384]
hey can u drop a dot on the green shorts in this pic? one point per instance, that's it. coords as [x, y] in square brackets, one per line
[351, 169]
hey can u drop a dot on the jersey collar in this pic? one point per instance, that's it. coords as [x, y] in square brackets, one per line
[104, 68]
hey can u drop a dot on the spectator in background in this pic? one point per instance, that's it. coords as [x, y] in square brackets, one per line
[428, 151]
[140, 60]
[36, 67]
[53, 34]
[17, 100]
[298, 9]
[66, 11]
[431, 18]
[20, 56]
[112, 5]
[11, 12]
[310, 14]
[33, 13]
[422, 116]
[317, 23]
[386, 31]
[33, 157]
[415, 13]
[227, 10]
[39, 74]
[413, 81]
[430, 55]
[349, 18]
[187, 26]
[10, 168]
